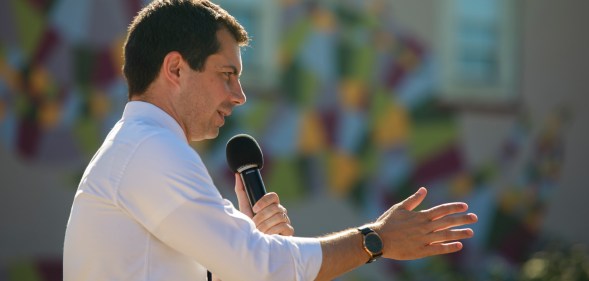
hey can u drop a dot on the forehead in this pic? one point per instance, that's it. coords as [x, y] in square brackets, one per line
[229, 50]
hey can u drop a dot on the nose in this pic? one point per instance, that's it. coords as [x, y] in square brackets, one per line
[238, 96]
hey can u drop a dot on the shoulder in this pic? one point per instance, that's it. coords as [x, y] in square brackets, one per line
[161, 150]
[151, 141]
[163, 171]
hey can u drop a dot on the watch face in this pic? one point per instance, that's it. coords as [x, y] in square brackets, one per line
[373, 243]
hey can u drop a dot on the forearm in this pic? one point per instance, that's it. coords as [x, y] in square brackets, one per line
[342, 252]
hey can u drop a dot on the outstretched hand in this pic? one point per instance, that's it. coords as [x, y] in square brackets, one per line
[407, 234]
[268, 214]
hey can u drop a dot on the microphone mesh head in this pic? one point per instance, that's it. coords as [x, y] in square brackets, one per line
[243, 150]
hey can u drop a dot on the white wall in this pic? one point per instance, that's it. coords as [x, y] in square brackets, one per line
[554, 71]
[34, 209]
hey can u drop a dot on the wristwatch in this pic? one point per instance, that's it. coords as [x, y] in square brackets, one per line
[371, 243]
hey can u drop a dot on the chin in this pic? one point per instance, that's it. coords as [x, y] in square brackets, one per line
[207, 135]
[212, 135]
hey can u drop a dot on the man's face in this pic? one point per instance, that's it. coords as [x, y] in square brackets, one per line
[209, 96]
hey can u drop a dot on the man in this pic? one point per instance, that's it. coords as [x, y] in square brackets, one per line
[147, 209]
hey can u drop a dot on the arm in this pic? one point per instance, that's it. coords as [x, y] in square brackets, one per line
[405, 235]
[270, 217]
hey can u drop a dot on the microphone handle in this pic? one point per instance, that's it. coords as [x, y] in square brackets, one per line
[254, 185]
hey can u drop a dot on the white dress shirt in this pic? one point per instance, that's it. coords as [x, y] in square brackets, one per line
[147, 209]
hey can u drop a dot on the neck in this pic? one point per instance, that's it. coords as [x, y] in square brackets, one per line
[164, 104]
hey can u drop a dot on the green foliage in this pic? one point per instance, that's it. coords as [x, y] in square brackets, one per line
[568, 264]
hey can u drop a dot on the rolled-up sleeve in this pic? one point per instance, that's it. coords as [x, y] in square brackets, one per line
[168, 190]
[226, 242]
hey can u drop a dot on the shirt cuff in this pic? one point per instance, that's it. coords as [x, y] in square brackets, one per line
[309, 257]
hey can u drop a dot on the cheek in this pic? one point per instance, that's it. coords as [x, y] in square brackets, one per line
[219, 85]
[208, 95]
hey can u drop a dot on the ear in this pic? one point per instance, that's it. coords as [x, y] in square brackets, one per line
[172, 68]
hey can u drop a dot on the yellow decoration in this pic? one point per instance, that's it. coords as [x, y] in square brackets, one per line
[391, 127]
[99, 105]
[343, 172]
[509, 201]
[118, 54]
[324, 20]
[461, 185]
[49, 115]
[40, 81]
[352, 93]
[10, 77]
[313, 138]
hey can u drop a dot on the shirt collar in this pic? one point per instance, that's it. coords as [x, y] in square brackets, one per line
[145, 110]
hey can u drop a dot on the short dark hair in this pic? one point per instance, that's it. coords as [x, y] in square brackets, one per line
[186, 26]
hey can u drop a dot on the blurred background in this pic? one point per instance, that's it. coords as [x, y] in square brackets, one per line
[355, 105]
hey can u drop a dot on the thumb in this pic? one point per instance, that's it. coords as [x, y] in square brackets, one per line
[414, 200]
[244, 205]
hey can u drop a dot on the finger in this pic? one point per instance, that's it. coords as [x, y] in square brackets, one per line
[450, 235]
[414, 200]
[268, 212]
[266, 200]
[284, 229]
[276, 219]
[442, 248]
[444, 210]
[242, 200]
[453, 221]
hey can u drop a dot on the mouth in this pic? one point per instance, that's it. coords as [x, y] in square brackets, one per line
[223, 115]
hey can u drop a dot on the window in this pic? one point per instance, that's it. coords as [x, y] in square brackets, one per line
[478, 52]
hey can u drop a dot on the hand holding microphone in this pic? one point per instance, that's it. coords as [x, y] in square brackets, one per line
[245, 158]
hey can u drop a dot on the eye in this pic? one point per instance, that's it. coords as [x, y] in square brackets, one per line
[228, 74]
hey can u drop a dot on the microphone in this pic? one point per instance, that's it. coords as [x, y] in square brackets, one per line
[244, 156]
